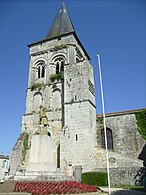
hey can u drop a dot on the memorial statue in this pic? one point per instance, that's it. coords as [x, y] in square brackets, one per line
[43, 122]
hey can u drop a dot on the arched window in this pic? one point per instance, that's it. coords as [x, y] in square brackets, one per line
[62, 65]
[41, 71]
[59, 65]
[37, 101]
[109, 139]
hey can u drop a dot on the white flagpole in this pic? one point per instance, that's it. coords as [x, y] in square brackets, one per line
[103, 110]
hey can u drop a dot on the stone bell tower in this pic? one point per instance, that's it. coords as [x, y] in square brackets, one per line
[60, 118]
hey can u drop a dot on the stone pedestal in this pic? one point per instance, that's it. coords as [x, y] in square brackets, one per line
[41, 154]
[78, 173]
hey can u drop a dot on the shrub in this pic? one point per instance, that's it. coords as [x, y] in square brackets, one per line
[141, 122]
[95, 178]
[60, 75]
[37, 86]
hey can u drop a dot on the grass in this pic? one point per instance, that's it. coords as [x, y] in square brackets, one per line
[129, 187]
[137, 188]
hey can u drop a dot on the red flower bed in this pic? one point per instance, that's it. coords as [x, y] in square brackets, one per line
[63, 187]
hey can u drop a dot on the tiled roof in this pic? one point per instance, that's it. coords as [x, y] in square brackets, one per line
[3, 156]
[121, 112]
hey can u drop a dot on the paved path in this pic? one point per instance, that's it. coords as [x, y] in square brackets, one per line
[116, 191]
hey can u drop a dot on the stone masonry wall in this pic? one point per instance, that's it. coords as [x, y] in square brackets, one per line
[127, 140]
[15, 156]
[80, 117]
[123, 176]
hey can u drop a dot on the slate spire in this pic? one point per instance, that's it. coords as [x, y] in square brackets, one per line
[62, 24]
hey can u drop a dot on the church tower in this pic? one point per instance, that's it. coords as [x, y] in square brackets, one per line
[59, 126]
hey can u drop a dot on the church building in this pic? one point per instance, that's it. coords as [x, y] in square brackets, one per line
[60, 133]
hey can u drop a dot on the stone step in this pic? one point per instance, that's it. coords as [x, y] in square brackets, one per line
[43, 178]
[14, 193]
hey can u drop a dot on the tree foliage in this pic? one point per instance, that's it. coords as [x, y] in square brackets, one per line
[60, 75]
[141, 122]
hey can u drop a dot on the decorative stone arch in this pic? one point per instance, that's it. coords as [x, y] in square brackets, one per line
[39, 68]
[77, 59]
[62, 55]
[59, 60]
[56, 89]
[79, 56]
[109, 139]
[56, 98]
[37, 101]
[40, 60]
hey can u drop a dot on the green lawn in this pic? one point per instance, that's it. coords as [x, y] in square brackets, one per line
[126, 187]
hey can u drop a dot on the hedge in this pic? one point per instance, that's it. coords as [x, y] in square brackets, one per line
[60, 75]
[95, 178]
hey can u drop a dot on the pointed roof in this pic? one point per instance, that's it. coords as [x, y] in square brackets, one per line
[61, 25]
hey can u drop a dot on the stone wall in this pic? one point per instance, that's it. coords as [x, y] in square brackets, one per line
[15, 156]
[80, 117]
[127, 145]
[127, 140]
[122, 176]
[116, 160]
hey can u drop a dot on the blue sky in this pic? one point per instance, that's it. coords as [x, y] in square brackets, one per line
[115, 29]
